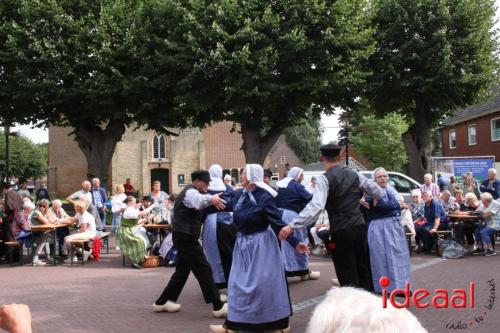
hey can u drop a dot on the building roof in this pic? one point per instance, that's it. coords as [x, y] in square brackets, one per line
[355, 162]
[475, 111]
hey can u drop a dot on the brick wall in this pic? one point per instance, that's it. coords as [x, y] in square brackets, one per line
[484, 144]
[223, 147]
[273, 160]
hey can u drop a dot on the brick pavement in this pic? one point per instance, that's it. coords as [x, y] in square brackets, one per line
[106, 297]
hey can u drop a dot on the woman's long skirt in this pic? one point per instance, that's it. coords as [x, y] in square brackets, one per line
[389, 255]
[133, 242]
[219, 236]
[257, 291]
[296, 264]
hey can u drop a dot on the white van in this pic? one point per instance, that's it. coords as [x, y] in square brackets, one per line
[402, 183]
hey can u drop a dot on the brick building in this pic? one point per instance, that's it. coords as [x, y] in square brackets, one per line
[145, 156]
[474, 131]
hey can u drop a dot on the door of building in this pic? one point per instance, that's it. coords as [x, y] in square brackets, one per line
[163, 176]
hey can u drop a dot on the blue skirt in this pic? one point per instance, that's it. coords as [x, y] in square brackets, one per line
[389, 254]
[211, 248]
[294, 262]
[257, 288]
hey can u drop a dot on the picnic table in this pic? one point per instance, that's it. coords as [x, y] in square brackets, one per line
[158, 227]
[462, 219]
[51, 227]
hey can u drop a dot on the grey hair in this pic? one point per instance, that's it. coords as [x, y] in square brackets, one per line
[86, 182]
[427, 175]
[57, 202]
[28, 205]
[493, 171]
[446, 192]
[416, 192]
[377, 170]
[486, 196]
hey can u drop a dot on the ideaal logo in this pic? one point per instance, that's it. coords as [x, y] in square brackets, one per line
[441, 299]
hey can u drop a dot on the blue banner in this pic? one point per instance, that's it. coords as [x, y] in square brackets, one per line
[478, 166]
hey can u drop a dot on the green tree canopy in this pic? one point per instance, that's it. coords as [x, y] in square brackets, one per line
[379, 140]
[268, 64]
[431, 57]
[27, 159]
[96, 66]
[305, 139]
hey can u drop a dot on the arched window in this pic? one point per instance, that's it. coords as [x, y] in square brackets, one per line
[159, 145]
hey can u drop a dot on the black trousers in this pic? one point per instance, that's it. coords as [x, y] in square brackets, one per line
[350, 257]
[226, 237]
[190, 257]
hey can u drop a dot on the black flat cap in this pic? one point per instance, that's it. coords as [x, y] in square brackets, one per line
[330, 150]
[268, 173]
[202, 175]
[9, 184]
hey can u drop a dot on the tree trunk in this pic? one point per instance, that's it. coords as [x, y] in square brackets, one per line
[418, 143]
[98, 145]
[255, 147]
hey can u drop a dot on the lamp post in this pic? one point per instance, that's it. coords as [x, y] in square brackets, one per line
[8, 133]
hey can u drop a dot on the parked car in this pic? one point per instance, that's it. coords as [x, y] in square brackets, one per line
[402, 183]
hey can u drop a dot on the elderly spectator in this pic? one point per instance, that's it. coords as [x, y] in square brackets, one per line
[449, 203]
[57, 215]
[83, 193]
[492, 184]
[484, 233]
[42, 193]
[21, 228]
[454, 186]
[312, 185]
[227, 180]
[85, 221]
[464, 232]
[40, 217]
[13, 204]
[335, 314]
[417, 209]
[23, 191]
[99, 198]
[434, 215]
[470, 184]
[129, 188]
[429, 186]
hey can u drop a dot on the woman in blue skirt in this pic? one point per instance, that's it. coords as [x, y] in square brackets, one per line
[389, 255]
[257, 288]
[219, 232]
[292, 198]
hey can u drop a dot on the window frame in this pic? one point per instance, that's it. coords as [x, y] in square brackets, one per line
[283, 160]
[156, 147]
[449, 138]
[491, 129]
[469, 136]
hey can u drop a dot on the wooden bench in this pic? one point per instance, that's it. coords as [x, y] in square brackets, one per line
[14, 246]
[103, 236]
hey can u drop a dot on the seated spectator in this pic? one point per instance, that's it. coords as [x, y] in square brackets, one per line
[21, 227]
[492, 184]
[417, 208]
[336, 314]
[449, 203]
[434, 216]
[483, 233]
[470, 184]
[407, 220]
[42, 193]
[23, 191]
[39, 217]
[87, 225]
[464, 231]
[129, 188]
[321, 233]
[228, 180]
[58, 215]
[131, 237]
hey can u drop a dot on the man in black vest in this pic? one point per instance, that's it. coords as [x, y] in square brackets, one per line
[338, 191]
[186, 229]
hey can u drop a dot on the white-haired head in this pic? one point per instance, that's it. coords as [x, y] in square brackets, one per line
[349, 309]
[377, 170]
[57, 203]
[486, 198]
[28, 206]
[492, 173]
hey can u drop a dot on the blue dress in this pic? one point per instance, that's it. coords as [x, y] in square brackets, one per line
[257, 288]
[291, 200]
[219, 236]
[389, 254]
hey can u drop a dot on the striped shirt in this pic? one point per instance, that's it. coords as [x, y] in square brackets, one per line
[433, 188]
[493, 221]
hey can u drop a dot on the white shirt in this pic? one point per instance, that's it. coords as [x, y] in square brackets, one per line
[194, 199]
[117, 202]
[88, 219]
[81, 194]
[311, 212]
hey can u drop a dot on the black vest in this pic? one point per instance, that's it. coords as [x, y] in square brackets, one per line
[186, 220]
[342, 204]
